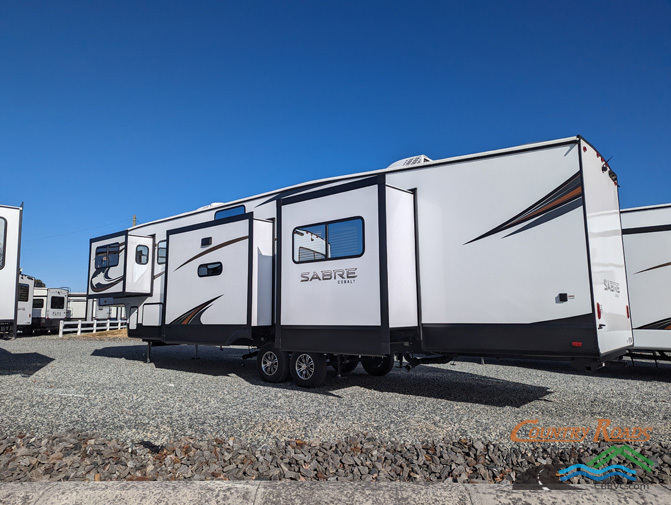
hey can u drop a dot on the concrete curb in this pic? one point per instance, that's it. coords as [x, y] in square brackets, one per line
[313, 493]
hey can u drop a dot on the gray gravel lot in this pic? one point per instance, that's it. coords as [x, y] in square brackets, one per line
[50, 386]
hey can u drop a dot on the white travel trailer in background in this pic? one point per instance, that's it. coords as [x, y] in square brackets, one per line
[647, 246]
[49, 308]
[10, 252]
[76, 307]
[24, 312]
[516, 252]
[95, 309]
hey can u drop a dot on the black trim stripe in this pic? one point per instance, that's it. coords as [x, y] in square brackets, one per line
[646, 229]
[569, 191]
[664, 324]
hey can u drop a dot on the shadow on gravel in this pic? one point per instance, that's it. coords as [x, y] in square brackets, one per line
[425, 381]
[25, 364]
[640, 370]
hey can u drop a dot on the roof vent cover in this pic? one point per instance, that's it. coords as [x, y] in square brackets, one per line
[408, 162]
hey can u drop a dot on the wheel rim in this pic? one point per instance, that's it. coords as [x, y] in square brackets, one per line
[270, 363]
[305, 366]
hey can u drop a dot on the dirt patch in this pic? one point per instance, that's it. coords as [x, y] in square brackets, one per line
[101, 335]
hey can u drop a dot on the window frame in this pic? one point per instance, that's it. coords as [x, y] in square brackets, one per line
[218, 264]
[158, 249]
[51, 303]
[146, 254]
[230, 215]
[36, 300]
[107, 254]
[3, 244]
[326, 239]
[24, 287]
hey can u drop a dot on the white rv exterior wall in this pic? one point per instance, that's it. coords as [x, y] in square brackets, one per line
[502, 278]
[262, 273]
[76, 306]
[648, 259]
[401, 267]
[328, 303]
[24, 312]
[10, 234]
[139, 277]
[609, 278]
[109, 281]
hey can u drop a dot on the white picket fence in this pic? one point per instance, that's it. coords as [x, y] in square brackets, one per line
[94, 326]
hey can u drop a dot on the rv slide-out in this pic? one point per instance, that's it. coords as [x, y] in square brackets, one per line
[647, 247]
[516, 252]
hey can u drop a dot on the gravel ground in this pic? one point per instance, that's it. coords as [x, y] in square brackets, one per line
[50, 386]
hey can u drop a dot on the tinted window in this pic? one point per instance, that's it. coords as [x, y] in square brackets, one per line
[107, 255]
[233, 211]
[210, 269]
[162, 254]
[142, 254]
[57, 302]
[38, 303]
[3, 237]
[337, 239]
[24, 292]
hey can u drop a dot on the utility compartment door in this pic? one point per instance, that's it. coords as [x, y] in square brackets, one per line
[139, 266]
[208, 281]
[10, 233]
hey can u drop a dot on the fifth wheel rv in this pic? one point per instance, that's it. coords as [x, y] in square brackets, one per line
[516, 252]
[647, 247]
[10, 249]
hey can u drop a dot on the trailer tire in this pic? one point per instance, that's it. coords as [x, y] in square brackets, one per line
[378, 365]
[272, 364]
[308, 369]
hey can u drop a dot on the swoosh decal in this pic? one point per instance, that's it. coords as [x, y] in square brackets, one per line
[193, 315]
[211, 249]
[655, 267]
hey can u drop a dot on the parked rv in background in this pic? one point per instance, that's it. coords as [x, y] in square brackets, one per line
[647, 246]
[100, 312]
[24, 313]
[49, 308]
[10, 252]
[76, 308]
[503, 253]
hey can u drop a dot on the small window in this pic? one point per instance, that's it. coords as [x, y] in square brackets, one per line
[3, 239]
[24, 292]
[327, 241]
[210, 269]
[57, 302]
[233, 211]
[38, 303]
[162, 253]
[107, 255]
[142, 255]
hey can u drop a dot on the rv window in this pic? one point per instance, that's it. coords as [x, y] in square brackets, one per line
[38, 303]
[107, 255]
[142, 255]
[162, 254]
[3, 237]
[326, 241]
[233, 211]
[24, 292]
[210, 269]
[57, 302]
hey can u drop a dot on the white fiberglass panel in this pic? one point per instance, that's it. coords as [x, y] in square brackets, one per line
[10, 221]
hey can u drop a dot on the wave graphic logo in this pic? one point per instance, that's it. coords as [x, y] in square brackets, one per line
[596, 470]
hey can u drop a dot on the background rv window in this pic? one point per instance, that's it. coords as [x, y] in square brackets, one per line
[210, 269]
[24, 292]
[233, 211]
[3, 237]
[57, 302]
[142, 255]
[162, 253]
[38, 303]
[107, 255]
[326, 241]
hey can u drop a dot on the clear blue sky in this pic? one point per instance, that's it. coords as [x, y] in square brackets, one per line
[111, 108]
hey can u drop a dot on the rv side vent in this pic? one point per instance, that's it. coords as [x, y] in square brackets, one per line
[408, 162]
